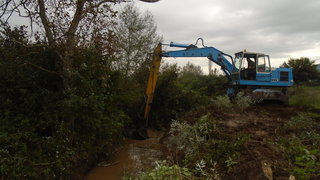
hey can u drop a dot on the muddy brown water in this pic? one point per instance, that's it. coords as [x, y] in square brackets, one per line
[135, 157]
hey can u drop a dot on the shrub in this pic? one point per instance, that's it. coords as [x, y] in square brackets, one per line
[302, 148]
[305, 162]
[242, 102]
[223, 103]
[205, 140]
[239, 104]
[165, 171]
[305, 126]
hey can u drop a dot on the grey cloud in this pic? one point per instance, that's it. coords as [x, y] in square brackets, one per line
[276, 27]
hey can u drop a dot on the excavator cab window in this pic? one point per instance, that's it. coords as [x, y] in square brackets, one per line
[237, 62]
[248, 67]
[263, 64]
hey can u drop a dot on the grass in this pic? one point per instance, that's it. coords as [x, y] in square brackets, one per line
[308, 96]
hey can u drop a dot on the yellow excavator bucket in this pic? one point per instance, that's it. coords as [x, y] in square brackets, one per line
[153, 77]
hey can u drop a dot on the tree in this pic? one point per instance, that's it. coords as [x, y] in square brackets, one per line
[137, 37]
[66, 25]
[60, 97]
[191, 70]
[304, 70]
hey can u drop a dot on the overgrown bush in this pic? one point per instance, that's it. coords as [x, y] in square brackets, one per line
[239, 104]
[46, 132]
[204, 147]
[172, 98]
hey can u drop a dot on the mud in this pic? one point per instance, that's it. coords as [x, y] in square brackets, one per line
[134, 158]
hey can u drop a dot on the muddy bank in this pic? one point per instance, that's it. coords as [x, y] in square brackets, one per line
[135, 157]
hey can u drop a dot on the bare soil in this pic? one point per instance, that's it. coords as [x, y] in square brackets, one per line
[261, 158]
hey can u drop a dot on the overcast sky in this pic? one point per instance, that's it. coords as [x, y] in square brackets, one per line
[280, 28]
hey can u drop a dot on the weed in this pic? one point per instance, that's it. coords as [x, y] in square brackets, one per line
[305, 96]
[242, 102]
[302, 150]
[305, 126]
[304, 161]
[205, 140]
[208, 170]
[165, 171]
[223, 103]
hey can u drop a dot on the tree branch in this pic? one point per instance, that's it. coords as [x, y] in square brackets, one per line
[75, 22]
[45, 22]
[41, 68]
[4, 6]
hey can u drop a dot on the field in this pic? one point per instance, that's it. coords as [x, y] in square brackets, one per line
[305, 96]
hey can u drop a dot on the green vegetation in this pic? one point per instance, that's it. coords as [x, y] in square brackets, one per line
[45, 131]
[206, 149]
[64, 105]
[302, 148]
[177, 93]
[308, 96]
[164, 171]
[239, 104]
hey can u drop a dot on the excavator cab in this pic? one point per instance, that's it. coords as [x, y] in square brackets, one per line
[251, 66]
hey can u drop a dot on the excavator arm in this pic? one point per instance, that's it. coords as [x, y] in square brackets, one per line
[211, 53]
[153, 77]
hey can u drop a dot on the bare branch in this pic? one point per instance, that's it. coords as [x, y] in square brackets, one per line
[27, 46]
[5, 7]
[30, 17]
[41, 68]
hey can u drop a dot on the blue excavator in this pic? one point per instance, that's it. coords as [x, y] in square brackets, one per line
[247, 71]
